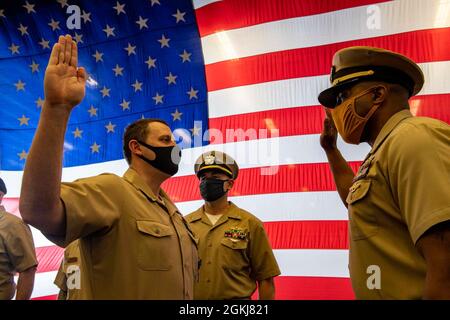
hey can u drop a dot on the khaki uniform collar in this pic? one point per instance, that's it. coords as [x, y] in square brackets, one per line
[232, 212]
[133, 177]
[388, 127]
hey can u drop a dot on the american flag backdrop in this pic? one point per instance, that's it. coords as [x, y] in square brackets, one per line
[241, 76]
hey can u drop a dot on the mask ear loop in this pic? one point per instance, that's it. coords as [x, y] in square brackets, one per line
[373, 109]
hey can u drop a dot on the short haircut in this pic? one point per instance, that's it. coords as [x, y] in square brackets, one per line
[137, 131]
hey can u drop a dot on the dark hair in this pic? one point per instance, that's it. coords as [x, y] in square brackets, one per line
[137, 131]
[2, 186]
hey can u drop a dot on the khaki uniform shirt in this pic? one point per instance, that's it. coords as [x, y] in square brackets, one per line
[400, 191]
[17, 253]
[70, 267]
[133, 244]
[234, 253]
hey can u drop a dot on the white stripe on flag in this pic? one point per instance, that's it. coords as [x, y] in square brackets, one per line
[313, 263]
[43, 284]
[202, 3]
[348, 24]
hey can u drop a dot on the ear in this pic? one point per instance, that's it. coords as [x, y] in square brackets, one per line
[229, 185]
[135, 147]
[380, 94]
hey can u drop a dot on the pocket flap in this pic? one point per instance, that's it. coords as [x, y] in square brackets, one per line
[358, 191]
[154, 228]
[234, 244]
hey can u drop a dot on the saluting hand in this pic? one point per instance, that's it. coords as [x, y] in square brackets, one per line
[328, 137]
[64, 82]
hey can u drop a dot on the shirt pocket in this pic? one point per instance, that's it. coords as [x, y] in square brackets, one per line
[362, 216]
[155, 250]
[234, 254]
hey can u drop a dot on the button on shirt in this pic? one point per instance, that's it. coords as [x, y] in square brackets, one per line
[235, 253]
[132, 245]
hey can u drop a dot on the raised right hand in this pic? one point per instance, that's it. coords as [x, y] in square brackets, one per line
[328, 137]
[64, 82]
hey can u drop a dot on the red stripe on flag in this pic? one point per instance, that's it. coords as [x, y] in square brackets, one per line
[313, 61]
[299, 288]
[52, 297]
[435, 106]
[313, 288]
[289, 178]
[308, 234]
[233, 14]
[49, 258]
[306, 120]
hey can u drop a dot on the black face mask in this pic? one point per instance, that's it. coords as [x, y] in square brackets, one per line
[167, 158]
[212, 189]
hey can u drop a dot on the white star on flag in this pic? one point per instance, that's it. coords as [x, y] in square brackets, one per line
[195, 131]
[179, 16]
[151, 62]
[77, 133]
[20, 85]
[98, 56]
[119, 8]
[186, 56]
[14, 49]
[92, 111]
[158, 98]
[24, 120]
[86, 16]
[45, 44]
[29, 7]
[95, 148]
[63, 3]
[110, 127]
[34, 67]
[109, 31]
[192, 94]
[23, 30]
[78, 37]
[130, 49]
[39, 102]
[164, 41]
[105, 92]
[23, 155]
[137, 86]
[171, 79]
[118, 70]
[54, 24]
[142, 23]
[176, 115]
[125, 104]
